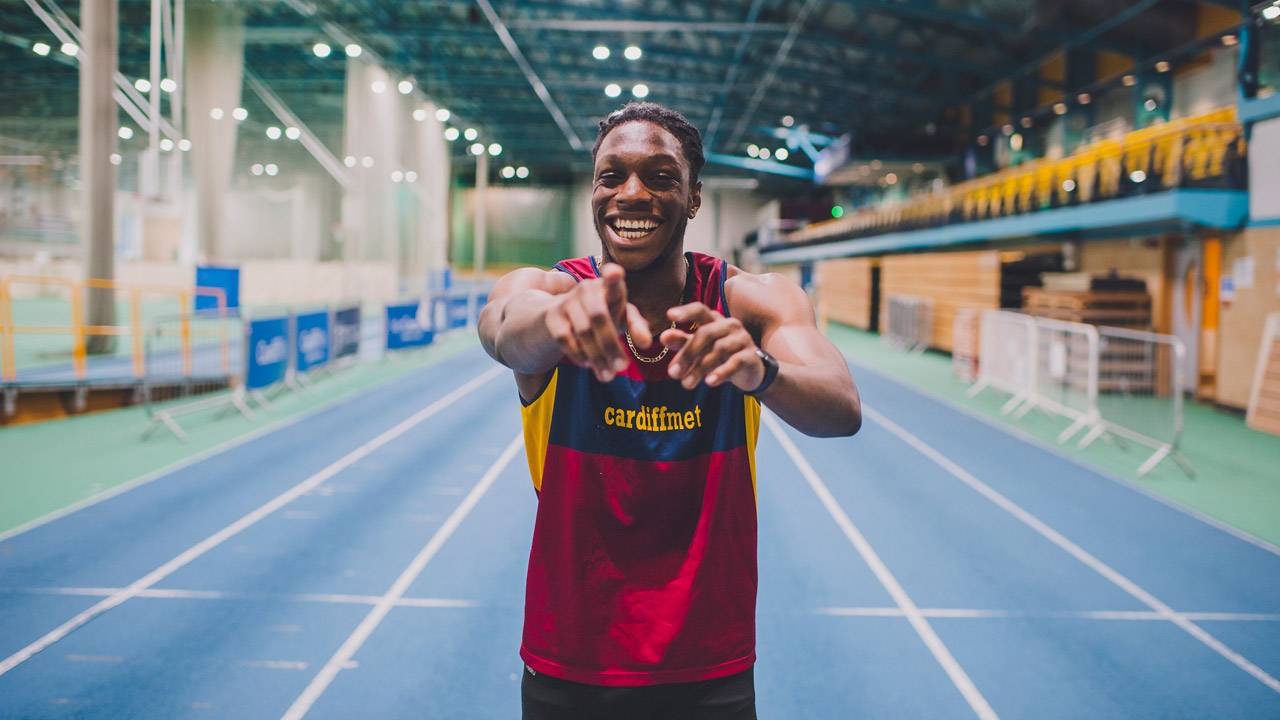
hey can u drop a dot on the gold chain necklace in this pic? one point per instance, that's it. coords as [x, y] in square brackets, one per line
[658, 358]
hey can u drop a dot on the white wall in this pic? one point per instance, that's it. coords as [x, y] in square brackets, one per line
[1264, 171]
[1206, 88]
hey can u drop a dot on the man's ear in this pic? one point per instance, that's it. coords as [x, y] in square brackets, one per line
[695, 199]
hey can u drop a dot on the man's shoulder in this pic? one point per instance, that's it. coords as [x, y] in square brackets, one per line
[762, 296]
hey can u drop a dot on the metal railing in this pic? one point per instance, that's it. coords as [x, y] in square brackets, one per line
[1120, 384]
[910, 322]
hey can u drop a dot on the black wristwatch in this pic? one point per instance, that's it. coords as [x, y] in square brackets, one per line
[770, 371]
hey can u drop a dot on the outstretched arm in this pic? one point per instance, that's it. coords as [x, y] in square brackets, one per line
[813, 392]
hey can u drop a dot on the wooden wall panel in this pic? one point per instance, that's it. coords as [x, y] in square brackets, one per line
[952, 280]
[844, 291]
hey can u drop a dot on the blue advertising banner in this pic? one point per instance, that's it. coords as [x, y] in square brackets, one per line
[313, 341]
[403, 328]
[345, 332]
[226, 279]
[456, 311]
[268, 349]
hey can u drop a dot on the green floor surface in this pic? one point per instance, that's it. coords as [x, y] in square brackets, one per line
[1237, 478]
[53, 465]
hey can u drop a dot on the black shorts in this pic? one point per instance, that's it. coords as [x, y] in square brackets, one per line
[729, 698]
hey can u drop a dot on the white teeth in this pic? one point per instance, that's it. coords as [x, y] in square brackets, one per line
[625, 224]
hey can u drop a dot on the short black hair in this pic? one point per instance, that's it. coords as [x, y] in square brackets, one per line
[670, 120]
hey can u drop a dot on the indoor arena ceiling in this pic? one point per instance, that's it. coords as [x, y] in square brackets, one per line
[890, 72]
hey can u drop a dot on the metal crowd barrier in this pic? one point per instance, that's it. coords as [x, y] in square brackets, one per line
[910, 322]
[1115, 383]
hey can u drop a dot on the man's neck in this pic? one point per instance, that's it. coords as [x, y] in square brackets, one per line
[659, 287]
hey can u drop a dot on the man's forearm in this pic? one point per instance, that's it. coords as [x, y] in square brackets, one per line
[521, 340]
[814, 400]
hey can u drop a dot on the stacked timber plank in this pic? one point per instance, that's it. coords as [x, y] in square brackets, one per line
[1124, 366]
[1264, 403]
[844, 291]
[952, 281]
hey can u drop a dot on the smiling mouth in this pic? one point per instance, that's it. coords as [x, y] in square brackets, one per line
[633, 229]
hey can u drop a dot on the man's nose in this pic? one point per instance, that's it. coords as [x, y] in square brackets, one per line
[633, 190]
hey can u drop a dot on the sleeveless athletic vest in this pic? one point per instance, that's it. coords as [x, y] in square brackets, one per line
[643, 566]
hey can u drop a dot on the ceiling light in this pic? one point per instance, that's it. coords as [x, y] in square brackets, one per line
[613, 90]
[1015, 142]
[378, 87]
[115, 158]
[41, 49]
[366, 162]
[168, 85]
[240, 114]
[443, 115]
[420, 114]
[983, 140]
[292, 133]
[788, 121]
[753, 150]
[600, 52]
[632, 52]
[354, 50]
[272, 169]
[508, 172]
[125, 132]
[216, 113]
[273, 132]
[1271, 12]
[166, 145]
[1150, 105]
[1026, 122]
[891, 178]
[1162, 66]
[781, 153]
[764, 153]
[405, 87]
[349, 161]
[522, 172]
[495, 149]
[470, 134]
[1138, 176]
[184, 145]
[1060, 108]
[477, 148]
[1129, 80]
[1007, 129]
[321, 50]
[410, 176]
[396, 176]
[1084, 98]
[70, 48]
[1069, 185]
[640, 90]
[451, 134]
[143, 85]
[256, 168]
[1230, 40]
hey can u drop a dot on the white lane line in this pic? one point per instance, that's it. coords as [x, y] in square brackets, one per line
[180, 594]
[276, 664]
[1021, 434]
[977, 613]
[353, 643]
[958, 676]
[216, 539]
[1079, 553]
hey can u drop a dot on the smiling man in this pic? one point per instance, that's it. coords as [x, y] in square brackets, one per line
[641, 592]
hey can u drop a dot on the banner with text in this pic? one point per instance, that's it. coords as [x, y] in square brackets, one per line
[268, 352]
[345, 332]
[312, 341]
[403, 328]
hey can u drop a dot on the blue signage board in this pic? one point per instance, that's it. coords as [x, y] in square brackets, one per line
[403, 328]
[226, 279]
[456, 311]
[312, 343]
[345, 332]
[268, 352]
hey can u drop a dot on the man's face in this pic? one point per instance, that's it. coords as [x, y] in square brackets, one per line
[642, 197]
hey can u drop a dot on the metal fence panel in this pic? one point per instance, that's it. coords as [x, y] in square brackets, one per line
[910, 322]
[1008, 358]
[1066, 374]
[1141, 376]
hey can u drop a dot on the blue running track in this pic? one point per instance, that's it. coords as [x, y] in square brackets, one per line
[368, 561]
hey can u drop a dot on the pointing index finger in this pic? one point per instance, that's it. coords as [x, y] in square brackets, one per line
[693, 312]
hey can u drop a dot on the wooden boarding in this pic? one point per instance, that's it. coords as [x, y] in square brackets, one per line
[952, 280]
[844, 291]
[1264, 401]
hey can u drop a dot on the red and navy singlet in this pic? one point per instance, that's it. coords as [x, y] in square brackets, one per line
[643, 567]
